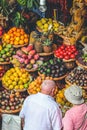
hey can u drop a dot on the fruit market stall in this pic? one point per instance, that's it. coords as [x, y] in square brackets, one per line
[46, 49]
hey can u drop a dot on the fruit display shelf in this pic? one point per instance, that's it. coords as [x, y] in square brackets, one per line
[66, 80]
[56, 79]
[4, 63]
[10, 111]
[18, 46]
[46, 54]
[81, 65]
[31, 70]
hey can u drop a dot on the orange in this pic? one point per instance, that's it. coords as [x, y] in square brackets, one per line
[21, 42]
[25, 35]
[16, 42]
[12, 42]
[26, 40]
[21, 37]
[22, 32]
[18, 34]
[7, 41]
[18, 30]
[14, 29]
[17, 38]
[7, 36]
[11, 35]
[12, 39]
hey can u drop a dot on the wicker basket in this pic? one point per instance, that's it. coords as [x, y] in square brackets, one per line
[70, 64]
[79, 64]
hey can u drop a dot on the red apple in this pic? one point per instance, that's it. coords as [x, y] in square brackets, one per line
[32, 52]
[36, 56]
[30, 47]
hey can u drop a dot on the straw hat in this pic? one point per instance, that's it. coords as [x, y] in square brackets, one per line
[74, 95]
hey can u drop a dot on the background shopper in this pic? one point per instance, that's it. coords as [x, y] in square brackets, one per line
[76, 117]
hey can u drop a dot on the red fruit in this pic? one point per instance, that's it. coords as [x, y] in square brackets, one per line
[0, 32]
[1, 28]
[66, 57]
[25, 56]
[30, 47]
[32, 52]
[29, 56]
[26, 61]
[36, 56]
[61, 56]
[72, 56]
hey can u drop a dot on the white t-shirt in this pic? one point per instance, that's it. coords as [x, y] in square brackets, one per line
[41, 112]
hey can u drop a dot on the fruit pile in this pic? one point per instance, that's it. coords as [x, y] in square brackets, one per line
[11, 101]
[27, 57]
[15, 36]
[17, 79]
[6, 52]
[1, 30]
[78, 76]
[66, 52]
[54, 68]
[47, 24]
[82, 57]
[34, 86]
[60, 98]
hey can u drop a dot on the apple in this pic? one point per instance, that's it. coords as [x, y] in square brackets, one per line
[32, 52]
[36, 56]
[29, 56]
[30, 47]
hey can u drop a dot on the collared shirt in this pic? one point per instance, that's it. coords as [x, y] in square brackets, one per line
[41, 112]
[74, 118]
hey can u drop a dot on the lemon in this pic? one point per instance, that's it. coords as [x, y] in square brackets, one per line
[39, 23]
[21, 87]
[11, 86]
[43, 20]
[14, 83]
[16, 87]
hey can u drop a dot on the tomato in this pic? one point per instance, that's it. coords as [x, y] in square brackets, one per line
[76, 53]
[72, 56]
[61, 56]
[66, 57]
[62, 47]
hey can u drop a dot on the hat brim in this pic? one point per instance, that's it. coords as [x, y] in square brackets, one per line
[69, 98]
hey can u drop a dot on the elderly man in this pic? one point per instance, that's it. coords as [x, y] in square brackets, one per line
[40, 111]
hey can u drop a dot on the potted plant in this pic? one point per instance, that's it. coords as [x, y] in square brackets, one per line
[47, 45]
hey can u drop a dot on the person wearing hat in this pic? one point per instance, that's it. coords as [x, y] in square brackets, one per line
[40, 111]
[76, 117]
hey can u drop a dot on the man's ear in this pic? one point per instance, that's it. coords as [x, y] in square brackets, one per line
[53, 90]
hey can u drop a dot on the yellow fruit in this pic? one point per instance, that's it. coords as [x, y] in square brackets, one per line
[11, 86]
[16, 87]
[21, 87]
[43, 20]
[14, 83]
[0, 47]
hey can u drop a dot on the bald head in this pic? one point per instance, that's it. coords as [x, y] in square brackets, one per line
[47, 86]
